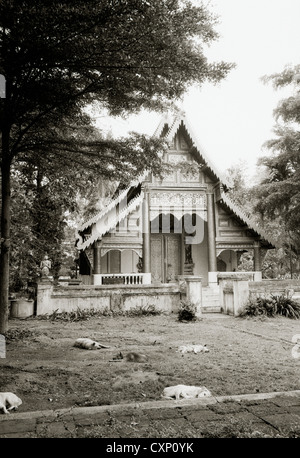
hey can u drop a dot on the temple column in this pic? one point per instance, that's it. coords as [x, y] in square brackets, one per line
[97, 263]
[211, 231]
[146, 237]
[257, 261]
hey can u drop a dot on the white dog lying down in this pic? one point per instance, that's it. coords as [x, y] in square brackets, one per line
[185, 391]
[88, 344]
[193, 348]
[9, 401]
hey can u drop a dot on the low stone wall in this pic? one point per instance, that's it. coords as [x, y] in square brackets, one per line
[236, 289]
[275, 287]
[111, 298]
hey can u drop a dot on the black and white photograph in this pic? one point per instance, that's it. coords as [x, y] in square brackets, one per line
[150, 222]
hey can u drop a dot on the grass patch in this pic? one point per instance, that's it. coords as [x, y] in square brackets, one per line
[237, 429]
[245, 356]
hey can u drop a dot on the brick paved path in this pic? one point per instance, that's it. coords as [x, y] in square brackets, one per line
[264, 415]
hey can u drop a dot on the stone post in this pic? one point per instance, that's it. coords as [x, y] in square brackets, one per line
[147, 278]
[235, 286]
[240, 294]
[222, 284]
[43, 301]
[194, 292]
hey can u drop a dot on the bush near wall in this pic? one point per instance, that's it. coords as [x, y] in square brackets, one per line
[187, 311]
[271, 306]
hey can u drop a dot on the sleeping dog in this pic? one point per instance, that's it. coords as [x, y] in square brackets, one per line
[88, 344]
[193, 348]
[187, 392]
[9, 401]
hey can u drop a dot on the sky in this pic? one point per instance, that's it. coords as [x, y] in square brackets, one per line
[233, 119]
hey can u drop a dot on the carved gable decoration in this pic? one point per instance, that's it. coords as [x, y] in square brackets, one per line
[181, 142]
[177, 203]
[178, 158]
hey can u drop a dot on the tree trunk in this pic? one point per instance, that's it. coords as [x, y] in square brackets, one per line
[5, 233]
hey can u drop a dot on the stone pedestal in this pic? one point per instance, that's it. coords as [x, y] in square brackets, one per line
[240, 295]
[194, 292]
[44, 292]
[234, 291]
[22, 308]
[97, 279]
[147, 278]
[257, 276]
[212, 278]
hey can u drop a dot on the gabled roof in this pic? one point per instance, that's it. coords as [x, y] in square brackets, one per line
[168, 128]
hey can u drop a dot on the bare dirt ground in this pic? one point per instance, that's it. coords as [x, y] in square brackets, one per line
[245, 356]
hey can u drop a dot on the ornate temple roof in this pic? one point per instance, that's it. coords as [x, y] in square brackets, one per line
[167, 128]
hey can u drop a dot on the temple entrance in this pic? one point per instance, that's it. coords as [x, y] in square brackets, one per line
[165, 257]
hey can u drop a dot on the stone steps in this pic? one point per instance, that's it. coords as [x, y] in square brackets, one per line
[210, 299]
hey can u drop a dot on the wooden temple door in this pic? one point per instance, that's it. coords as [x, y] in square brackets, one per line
[165, 257]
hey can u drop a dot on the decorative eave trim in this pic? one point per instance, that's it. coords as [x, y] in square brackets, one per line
[98, 234]
[113, 203]
[252, 225]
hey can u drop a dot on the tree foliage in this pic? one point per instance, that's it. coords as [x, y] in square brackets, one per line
[274, 204]
[239, 190]
[59, 56]
[280, 262]
[279, 192]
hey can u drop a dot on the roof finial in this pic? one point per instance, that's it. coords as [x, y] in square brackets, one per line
[179, 111]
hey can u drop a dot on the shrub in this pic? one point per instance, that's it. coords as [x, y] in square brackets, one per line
[86, 314]
[187, 311]
[74, 315]
[286, 306]
[19, 334]
[271, 306]
[146, 310]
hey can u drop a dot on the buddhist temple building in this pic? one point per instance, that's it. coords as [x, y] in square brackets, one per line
[157, 230]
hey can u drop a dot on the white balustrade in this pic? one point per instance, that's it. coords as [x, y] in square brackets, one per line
[122, 279]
